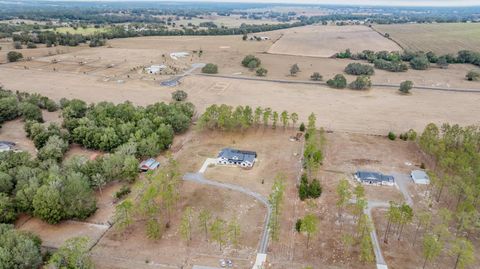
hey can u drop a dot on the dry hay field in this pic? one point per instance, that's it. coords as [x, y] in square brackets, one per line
[109, 74]
[325, 41]
[441, 38]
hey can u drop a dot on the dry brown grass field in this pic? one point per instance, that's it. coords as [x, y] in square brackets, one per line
[325, 41]
[441, 38]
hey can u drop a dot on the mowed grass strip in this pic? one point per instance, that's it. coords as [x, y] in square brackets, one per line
[441, 38]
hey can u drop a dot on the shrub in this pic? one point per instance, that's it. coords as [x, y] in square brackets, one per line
[252, 65]
[31, 45]
[394, 66]
[338, 82]
[294, 70]
[316, 77]
[442, 62]
[392, 136]
[125, 190]
[179, 95]
[308, 190]
[17, 45]
[14, 56]
[359, 69]
[302, 127]
[473, 75]
[210, 69]
[422, 165]
[420, 62]
[406, 86]
[8, 213]
[249, 59]
[344, 55]
[261, 72]
[31, 112]
[298, 225]
[361, 83]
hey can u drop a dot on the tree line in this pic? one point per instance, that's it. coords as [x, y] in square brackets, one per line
[395, 61]
[227, 118]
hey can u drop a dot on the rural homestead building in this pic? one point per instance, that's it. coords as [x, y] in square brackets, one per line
[155, 69]
[237, 157]
[374, 178]
[420, 177]
[147, 165]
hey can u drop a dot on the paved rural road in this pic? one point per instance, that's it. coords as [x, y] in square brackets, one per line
[199, 178]
[174, 81]
[306, 82]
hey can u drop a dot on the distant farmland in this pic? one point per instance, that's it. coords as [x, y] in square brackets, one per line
[440, 38]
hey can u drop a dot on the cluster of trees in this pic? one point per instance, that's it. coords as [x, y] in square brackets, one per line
[358, 69]
[210, 69]
[395, 61]
[74, 253]
[106, 126]
[309, 190]
[155, 204]
[398, 216]
[363, 226]
[252, 62]
[14, 105]
[227, 118]
[54, 192]
[362, 82]
[449, 225]
[338, 82]
[13, 56]
[276, 202]
[392, 66]
[307, 225]
[19, 249]
[216, 229]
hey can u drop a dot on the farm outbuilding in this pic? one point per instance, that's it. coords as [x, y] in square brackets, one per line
[6, 146]
[155, 69]
[374, 178]
[420, 177]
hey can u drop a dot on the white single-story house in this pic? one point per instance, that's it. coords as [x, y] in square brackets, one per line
[242, 158]
[420, 177]
[374, 178]
[155, 69]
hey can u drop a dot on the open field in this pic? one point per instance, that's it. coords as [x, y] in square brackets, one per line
[325, 41]
[133, 249]
[375, 111]
[231, 21]
[80, 30]
[441, 38]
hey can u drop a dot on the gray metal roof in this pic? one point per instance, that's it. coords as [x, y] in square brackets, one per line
[374, 176]
[237, 155]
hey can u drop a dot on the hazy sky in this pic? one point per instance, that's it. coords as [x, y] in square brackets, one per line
[365, 2]
[344, 2]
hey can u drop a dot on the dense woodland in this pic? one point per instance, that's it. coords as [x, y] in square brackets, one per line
[54, 189]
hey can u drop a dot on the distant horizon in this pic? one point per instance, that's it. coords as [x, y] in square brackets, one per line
[390, 3]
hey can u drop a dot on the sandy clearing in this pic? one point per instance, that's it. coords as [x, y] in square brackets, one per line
[325, 41]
